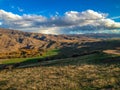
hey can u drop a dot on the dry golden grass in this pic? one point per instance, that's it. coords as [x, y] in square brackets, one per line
[116, 52]
[71, 77]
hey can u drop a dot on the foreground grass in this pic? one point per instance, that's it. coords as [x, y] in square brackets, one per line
[81, 73]
[72, 77]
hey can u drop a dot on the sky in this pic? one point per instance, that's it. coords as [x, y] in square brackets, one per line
[61, 16]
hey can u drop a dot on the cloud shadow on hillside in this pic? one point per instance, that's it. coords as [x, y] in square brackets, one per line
[93, 49]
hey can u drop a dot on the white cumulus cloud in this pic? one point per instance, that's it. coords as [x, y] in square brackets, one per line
[71, 22]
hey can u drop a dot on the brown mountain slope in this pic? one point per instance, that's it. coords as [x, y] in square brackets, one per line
[15, 42]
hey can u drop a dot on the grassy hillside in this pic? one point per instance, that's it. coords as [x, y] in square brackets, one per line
[18, 44]
[88, 72]
[32, 60]
[51, 62]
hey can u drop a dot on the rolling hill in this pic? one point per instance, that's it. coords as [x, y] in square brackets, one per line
[90, 72]
[14, 43]
[32, 61]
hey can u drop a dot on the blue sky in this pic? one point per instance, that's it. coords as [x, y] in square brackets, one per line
[47, 10]
[48, 7]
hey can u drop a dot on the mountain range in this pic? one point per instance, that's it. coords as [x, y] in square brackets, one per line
[14, 43]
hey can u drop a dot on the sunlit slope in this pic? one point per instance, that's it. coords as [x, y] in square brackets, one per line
[89, 72]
